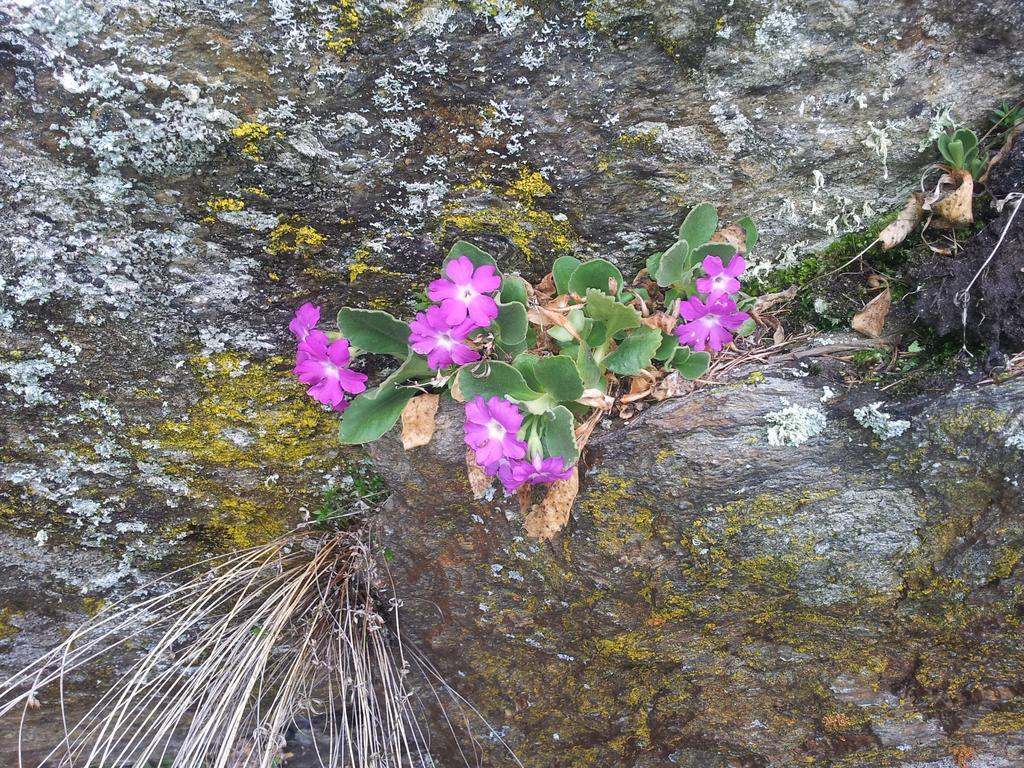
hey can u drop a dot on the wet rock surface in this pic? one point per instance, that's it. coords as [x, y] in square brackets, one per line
[852, 600]
[175, 177]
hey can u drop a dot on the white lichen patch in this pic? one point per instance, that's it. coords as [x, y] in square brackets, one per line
[1013, 432]
[882, 424]
[794, 424]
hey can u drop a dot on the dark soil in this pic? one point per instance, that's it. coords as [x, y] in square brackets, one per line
[1008, 175]
[995, 305]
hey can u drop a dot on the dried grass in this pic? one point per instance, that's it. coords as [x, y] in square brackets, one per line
[247, 647]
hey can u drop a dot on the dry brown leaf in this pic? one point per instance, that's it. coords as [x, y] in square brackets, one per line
[550, 516]
[455, 390]
[779, 334]
[870, 320]
[479, 481]
[896, 231]
[767, 301]
[951, 200]
[586, 429]
[543, 316]
[672, 385]
[418, 420]
[595, 398]
[733, 235]
[660, 320]
[525, 496]
[547, 284]
[957, 207]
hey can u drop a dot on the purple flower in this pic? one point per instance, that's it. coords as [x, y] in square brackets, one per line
[491, 427]
[721, 279]
[464, 292]
[306, 318]
[515, 473]
[325, 367]
[431, 335]
[709, 324]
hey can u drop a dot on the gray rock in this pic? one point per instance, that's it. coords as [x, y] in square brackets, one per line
[714, 593]
[175, 177]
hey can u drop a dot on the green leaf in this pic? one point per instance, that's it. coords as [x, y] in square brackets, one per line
[510, 325]
[634, 352]
[751, 229]
[557, 434]
[747, 327]
[674, 262]
[588, 368]
[595, 274]
[559, 377]
[699, 225]
[513, 288]
[373, 413]
[724, 251]
[669, 342]
[494, 379]
[374, 331]
[694, 365]
[470, 251]
[614, 316]
[562, 270]
[526, 364]
[653, 262]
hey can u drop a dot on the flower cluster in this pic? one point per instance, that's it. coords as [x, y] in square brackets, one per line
[492, 430]
[323, 364]
[711, 322]
[465, 304]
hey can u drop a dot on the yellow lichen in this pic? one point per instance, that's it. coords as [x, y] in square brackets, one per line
[360, 266]
[249, 415]
[7, 629]
[1001, 722]
[645, 140]
[294, 237]
[341, 38]
[250, 135]
[623, 646]
[529, 185]
[538, 234]
[255, 191]
[218, 204]
[619, 521]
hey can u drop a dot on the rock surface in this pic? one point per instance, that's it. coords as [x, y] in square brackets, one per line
[854, 600]
[177, 175]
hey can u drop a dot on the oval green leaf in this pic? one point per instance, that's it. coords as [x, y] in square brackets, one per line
[558, 376]
[374, 331]
[562, 270]
[598, 274]
[634, 352]
[494, 379]
[699, 225]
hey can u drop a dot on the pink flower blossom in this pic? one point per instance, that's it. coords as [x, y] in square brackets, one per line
[721, 279]
[442, 344]
[491, 427]
[306, 318]
[324, 366]
[465, 291]
[536, 471]
[709, 324]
